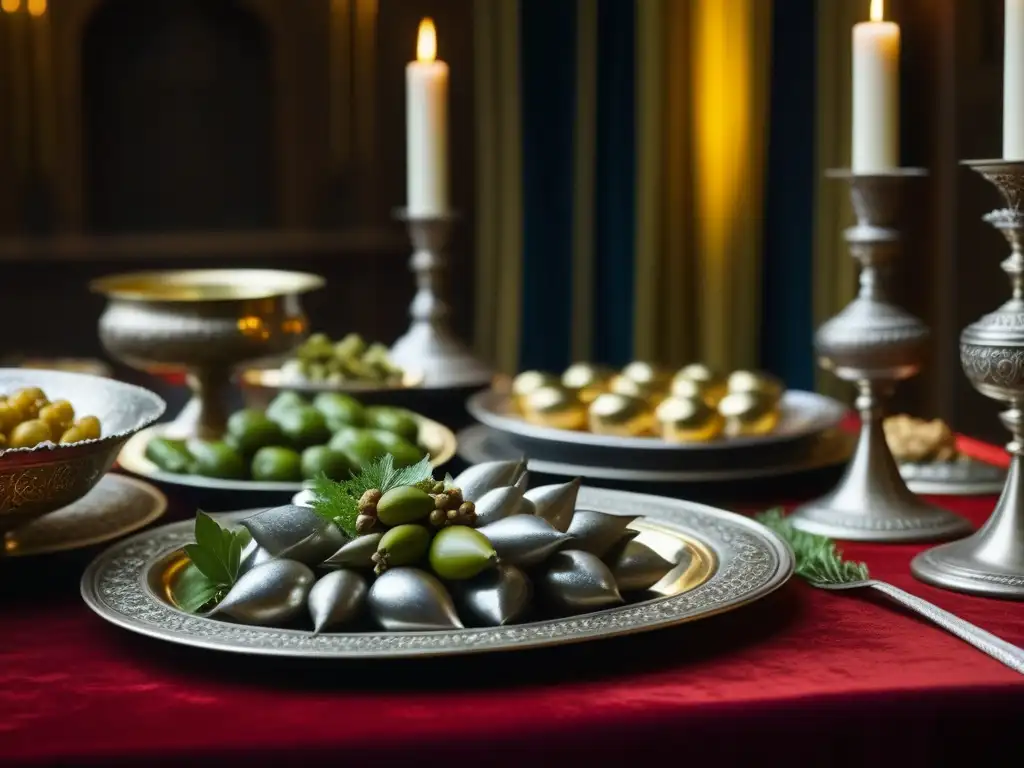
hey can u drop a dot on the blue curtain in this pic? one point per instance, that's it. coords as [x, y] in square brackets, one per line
[615, 195]
[548, 82]
[787, 284]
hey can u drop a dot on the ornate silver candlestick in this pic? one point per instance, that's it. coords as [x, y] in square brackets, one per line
[991, 562]
[874, 344]
[429, 345]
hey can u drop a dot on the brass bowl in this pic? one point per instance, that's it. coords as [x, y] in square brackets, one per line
[206, 322]
[43, 479]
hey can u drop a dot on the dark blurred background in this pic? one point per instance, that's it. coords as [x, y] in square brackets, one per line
[244, 133]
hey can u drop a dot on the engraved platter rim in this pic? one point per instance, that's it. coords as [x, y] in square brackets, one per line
[435, 436]
[808, 413]
[752, 562]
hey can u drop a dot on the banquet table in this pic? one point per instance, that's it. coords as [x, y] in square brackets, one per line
[803, 675]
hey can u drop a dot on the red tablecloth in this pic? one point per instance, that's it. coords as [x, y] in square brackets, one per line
[802, 676]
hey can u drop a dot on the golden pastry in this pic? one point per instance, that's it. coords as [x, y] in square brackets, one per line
[647, 375]
[748, 413]
[688, 420]
[617, 414]
[528, 382]
[712, 383]
[916, 440]
[555, 406]
[758, 383]
[623, 385]
[588, 380]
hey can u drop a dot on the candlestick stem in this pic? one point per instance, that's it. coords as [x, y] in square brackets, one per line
[429, 346]
[874, 344]
[991, 561]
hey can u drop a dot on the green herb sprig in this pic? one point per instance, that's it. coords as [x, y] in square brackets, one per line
[214, 561]
[818, 559]
[339, 501]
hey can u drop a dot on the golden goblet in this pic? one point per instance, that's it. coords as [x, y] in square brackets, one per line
[206, 322]
[617, 414]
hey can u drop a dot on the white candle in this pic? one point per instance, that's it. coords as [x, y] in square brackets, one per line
[876, 94]
[426, 81]
[1013, 81]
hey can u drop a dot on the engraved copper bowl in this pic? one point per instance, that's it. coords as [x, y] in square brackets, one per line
[43, 479]
[206, 323]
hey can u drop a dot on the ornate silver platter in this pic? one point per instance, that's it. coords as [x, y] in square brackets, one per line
[725, 561]
[434, 437]
[963, 477]
[278, 379]
[803, 414]
[832, 448]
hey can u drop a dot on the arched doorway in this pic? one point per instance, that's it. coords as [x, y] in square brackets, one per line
[178, 101]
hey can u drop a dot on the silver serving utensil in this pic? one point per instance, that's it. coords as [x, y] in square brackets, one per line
[986, 642]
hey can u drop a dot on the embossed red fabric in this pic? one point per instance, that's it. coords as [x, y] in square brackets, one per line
[804, 675]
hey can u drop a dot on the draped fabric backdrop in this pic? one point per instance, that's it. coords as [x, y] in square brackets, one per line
[647, 182]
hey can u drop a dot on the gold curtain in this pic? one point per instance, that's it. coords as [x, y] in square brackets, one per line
[701, 112]
[835, 272]
[499, 183]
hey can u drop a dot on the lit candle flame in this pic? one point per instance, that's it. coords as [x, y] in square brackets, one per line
[877, 10]
[426, 42]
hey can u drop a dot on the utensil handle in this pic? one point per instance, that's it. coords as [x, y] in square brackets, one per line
[986, 642]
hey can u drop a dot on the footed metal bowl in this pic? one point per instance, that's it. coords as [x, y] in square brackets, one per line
[39, 480]
[206, 322]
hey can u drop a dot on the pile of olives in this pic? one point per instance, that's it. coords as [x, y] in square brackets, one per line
[29, 418]
[295, 440]
[349, 360]
[691, 405]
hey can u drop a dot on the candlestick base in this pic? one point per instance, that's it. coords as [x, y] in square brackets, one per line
[874, 344]
[429, 346]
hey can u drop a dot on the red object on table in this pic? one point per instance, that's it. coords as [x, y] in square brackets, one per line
[803, 677]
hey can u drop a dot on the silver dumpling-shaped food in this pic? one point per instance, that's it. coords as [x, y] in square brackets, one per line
[357, 553]
[555, 503]
[498, 596]
[253, 555]
[336, 599]
[408, 599]
[270, 594]
[481, 478]
[637, 567]
[295, 532]
[578, 582]
[598, 532]
[524, 540]
[499, 503]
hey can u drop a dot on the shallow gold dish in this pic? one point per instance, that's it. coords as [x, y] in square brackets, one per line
[43, 479]
[436, 438]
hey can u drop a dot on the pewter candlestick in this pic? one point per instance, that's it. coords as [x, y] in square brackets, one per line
[874, 344]
[991, 562]
[429, 345]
